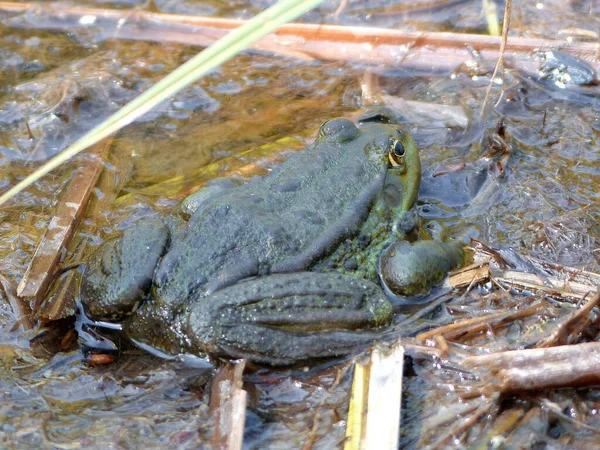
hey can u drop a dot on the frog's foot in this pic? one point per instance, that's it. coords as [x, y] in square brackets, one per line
[411, 269]
[119, 274]
[287, 318]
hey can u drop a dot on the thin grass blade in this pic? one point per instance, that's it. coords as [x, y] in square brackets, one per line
[211, 57]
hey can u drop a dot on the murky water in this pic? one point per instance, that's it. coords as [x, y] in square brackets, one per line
[240, 121]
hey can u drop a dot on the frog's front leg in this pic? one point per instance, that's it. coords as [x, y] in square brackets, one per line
[287, 318]
[413, 268]
[119, 274]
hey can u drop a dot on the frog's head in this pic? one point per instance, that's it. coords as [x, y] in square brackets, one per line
[405, 165]
[389, 147]
[397, 150]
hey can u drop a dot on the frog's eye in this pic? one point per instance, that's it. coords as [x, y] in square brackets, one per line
[396, 152]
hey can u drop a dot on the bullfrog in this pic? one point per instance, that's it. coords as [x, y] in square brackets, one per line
[284, 268]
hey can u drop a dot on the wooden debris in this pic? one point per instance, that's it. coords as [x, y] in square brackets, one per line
[455, 329]
[228, 402]
[553, 280]
[43, 266]
[469, 275]
[542, 368]
[375, 405]
[60, 302]
[19, 307]
[553, 286]
[426, 50]
[462, 426]
[100, 359]
[503, 425]
[556, 409]
[481, 324]
[572, 325]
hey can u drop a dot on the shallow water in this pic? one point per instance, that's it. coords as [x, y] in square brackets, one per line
[240, 121]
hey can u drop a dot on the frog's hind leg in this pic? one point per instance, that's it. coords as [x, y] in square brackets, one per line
[278, 347]
[119, 273]
[287, 318]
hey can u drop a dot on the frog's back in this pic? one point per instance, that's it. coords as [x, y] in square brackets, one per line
[283, 222]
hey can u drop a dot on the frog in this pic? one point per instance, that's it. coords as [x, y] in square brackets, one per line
[285, 268]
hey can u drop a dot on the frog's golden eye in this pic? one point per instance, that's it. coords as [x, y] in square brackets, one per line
[396, 152]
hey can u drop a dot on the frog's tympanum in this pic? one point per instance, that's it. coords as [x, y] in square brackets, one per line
[282, 269]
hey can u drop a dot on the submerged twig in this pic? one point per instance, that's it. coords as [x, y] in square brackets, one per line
[462, 326]
[479, 324]
[503, 425]
[462, 426]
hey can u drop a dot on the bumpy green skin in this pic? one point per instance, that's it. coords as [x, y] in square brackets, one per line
[410, 269]
[282, 318]
[118, 276]
[332, 207]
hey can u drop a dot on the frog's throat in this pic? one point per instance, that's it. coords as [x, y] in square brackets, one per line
[411, 176]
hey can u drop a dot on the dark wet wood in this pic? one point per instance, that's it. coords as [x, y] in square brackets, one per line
[43, 266]
[228, 403]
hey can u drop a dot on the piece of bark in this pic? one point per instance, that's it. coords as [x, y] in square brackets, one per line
[72, 203]
[375, 405]
[543, 368]
[228, 401]
[467, 276]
